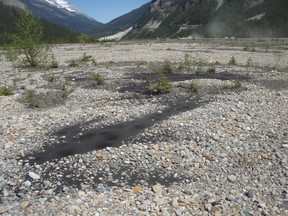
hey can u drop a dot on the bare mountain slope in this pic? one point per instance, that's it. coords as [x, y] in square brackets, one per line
[213, 18]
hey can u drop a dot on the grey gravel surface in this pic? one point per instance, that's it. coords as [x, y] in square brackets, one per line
[227, 156]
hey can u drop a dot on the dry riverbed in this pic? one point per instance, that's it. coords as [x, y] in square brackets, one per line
[73, 145]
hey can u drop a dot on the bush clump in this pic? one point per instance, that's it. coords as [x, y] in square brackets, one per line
[26, 48]
[211, 70]
[86, 58]
[237, 84]
[232, 61]
[160, 85]
[165, 68]
[98, 79]
[73, 63]
[193, 87]
[31, 99]
[6, 91]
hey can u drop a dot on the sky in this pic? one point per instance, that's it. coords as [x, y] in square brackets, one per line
[106, 10]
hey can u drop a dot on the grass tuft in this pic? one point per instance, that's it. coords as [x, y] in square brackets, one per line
[6, 91]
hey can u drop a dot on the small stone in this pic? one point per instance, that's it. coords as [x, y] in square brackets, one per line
[100, 189]
[175, 203]
[285, 145]
[137, 189]
[24, 204]
[34, 176]
[3, 209]
[250, 193]
[262, 205]
[42, 200]
[208, 207]
[215, 210]
[230, 198]
[99, 155]
[157, 189]
[232, 178]
[27, 183]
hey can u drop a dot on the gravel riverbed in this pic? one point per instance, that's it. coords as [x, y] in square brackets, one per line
[220, 151]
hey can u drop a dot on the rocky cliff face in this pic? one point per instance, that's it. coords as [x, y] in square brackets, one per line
[213, 18]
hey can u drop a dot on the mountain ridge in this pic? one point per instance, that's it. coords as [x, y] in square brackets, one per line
[59, 12]
[173, 18]
[212, 18]
[120, 23]
[52, 33]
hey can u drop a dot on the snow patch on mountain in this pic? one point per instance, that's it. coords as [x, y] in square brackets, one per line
[63, 4]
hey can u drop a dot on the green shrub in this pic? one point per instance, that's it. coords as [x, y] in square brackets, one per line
[197, 70]
[232, 61]
[193, 87]
[86, 58]
[165, 68]
[250, 49]
[94, 62]
[26, 48]
[249, 62]
[98, 79]
[162, 85]
[211, 70]
[187, 61]
[65, 91]
[6, 91]
[50, 78]
[54, 64]
[237, 84]
[73, 63]
[31, 99]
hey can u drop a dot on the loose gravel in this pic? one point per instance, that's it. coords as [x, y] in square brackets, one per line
[225, 156]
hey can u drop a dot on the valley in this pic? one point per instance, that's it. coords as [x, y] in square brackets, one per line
[148, 127]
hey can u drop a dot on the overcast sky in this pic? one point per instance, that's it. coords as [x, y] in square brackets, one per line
[106, 10]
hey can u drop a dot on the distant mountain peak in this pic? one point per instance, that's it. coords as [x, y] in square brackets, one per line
[63, 4]
[60, 12]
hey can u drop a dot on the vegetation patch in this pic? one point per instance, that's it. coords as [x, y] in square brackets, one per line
[237, 84]
[165, 68]
[73, 63]
[160, 85]
[26, 48]
[193, 87]
[6, 91]
[54, 63]
[232, 61]
[50, 78]
[98, 79]
[211, 70]
[83, 59]
[46, 100]
[194, 67]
